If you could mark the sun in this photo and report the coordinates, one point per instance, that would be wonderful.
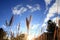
(29, 37)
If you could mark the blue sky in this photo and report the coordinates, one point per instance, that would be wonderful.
(41, 11)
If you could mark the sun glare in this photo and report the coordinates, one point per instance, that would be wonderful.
(29, 37)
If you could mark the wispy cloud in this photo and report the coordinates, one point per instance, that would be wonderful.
(19, 9)
(58, 6)
(35, 26)
(30, 7)
(48, 2)
(3, 26)
(52, 10)
(56, 19)
(37, 7)
(33, 8)
(43, 25)
(51, 13)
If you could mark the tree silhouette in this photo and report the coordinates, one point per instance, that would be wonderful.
(2, 34)
(51, 26)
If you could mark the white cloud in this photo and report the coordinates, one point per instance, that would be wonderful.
(30, 7)
(3, 26)
(55, 19)
(59, 10)
(21, 9)
(33, 9)
(43, 25)
(58, 6)
(35, 26)
(51, 12)
(43, 28)
(46, 19)
(46, 10)
(48, 2)
(17, 10)
(37, 7)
